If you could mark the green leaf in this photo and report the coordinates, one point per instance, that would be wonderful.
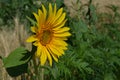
(32, 21)
(18, 57)
(17, 70)
(93, 13)
(80, 26)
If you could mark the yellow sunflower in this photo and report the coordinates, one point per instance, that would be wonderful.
(49, 34)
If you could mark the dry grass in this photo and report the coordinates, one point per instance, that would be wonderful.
(101, 6)
(9, 40)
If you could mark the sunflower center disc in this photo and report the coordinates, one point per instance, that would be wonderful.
(45, 37)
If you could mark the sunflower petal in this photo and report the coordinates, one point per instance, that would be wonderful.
(43, 57)
(55, 9)
(54, 57)
(59, 26)
(62, 30)
(58, 49)
(39, 12)
(59, 42)
(41, 17)
(65, 34)
(36, 16)
(60, 20)
(59, 13)
(31, 39)
(33, 29)
(50, 10)
(35, 43)
(49, 56)
(54, 51)
(44, 12)
(39, 50)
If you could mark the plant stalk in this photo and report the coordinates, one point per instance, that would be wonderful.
(42, 74)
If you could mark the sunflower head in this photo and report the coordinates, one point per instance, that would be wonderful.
(49, 34)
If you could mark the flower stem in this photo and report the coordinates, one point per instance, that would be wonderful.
(42, 74)
(35, 66)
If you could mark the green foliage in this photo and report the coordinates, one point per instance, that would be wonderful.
(18, 57)
(17, 70)
(10, 8)
(17, 61)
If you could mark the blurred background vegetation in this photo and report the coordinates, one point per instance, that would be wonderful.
(94, 47)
